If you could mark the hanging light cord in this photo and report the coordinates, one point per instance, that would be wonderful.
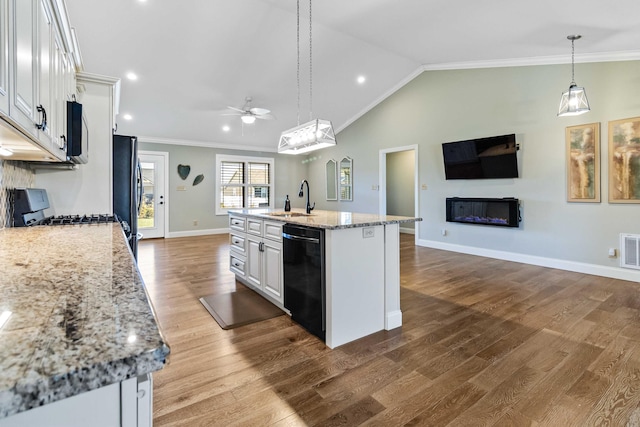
(573, 79)
(310, 68)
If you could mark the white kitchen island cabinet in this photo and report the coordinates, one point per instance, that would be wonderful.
(362, 267)
(256, 255)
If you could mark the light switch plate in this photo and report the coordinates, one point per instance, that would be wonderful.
(368, 232)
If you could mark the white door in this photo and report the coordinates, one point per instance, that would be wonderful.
(153, 206)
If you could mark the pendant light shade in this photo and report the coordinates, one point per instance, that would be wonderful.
(310, 136)
(573, 101)
(315, 134)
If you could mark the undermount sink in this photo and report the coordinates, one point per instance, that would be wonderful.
(286, 214)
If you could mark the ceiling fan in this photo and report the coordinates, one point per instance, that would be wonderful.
(249, 114)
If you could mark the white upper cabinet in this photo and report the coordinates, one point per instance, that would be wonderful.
(37, 74)
(25, 66)
(4, 57)
(45, 73)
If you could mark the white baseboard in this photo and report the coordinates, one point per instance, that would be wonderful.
(578, 267)
(192, 233)
(408, 230)
(393, 320)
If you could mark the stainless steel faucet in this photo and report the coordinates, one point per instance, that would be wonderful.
(301, 194)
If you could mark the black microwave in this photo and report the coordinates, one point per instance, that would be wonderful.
(77, 134)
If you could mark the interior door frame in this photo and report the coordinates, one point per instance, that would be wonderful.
(383, 182)
(165, 161)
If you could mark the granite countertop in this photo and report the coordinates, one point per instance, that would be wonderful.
(330, 220)
(80, 314)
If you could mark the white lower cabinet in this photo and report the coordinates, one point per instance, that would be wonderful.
(256, 255)
(272, 269)
(124, 404)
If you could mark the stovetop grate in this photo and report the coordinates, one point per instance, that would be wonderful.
(79, 219)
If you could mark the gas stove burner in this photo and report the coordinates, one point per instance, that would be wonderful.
(80, 219)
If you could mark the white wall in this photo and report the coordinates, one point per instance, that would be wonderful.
(86, 190)
(442, 106)
(198, 202)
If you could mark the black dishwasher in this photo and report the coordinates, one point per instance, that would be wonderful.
(304, 276)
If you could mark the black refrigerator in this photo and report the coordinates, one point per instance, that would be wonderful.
(127, 186)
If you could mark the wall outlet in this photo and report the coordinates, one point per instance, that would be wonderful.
(375, 187)
(195, 222)
(368, 232)
(424, 186)
(613, 253)
(444, 231)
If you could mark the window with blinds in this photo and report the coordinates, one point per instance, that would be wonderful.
(244, 182)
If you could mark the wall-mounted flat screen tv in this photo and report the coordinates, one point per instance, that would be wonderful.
(482, 158)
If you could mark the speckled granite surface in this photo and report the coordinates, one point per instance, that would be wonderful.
(81, 318)
(330, 220)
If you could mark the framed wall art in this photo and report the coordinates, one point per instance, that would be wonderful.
(624, 161)
(583, 163)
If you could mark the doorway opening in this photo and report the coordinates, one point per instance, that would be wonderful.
(398, 176)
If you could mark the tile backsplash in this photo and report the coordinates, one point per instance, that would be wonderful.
(12, 175)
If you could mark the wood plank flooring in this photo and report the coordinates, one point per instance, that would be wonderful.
(484, 342)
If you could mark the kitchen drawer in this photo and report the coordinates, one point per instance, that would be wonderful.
(237, 223)
(254, 226)
(273, 230)
(236, 265)
(237, 243)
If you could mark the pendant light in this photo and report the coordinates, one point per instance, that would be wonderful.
(574, 101)
(314, 134)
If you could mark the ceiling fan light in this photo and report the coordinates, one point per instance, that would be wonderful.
(248, 119)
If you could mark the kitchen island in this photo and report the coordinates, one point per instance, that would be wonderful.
(78, 327)
(362, 266)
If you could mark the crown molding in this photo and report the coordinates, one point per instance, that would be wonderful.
(206, 144)
(538, 60)
(83, 77)
(519, 62)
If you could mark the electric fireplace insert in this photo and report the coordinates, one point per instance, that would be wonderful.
(483, 211)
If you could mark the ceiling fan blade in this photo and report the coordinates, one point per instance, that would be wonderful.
(259, 111)
(266, 117)
(231, 114)
(236, 109)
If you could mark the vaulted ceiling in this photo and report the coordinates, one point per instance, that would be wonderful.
(193, 58)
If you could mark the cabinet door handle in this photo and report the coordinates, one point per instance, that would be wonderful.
(64, 138)
(43, 123)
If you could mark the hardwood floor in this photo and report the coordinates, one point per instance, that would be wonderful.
(484, 342)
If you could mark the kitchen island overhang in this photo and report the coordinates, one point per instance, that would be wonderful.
(362, 253)
(81, 319)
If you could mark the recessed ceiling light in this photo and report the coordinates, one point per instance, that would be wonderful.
(226, 128)
(361, 79)
(127, 117)
(132, 76)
